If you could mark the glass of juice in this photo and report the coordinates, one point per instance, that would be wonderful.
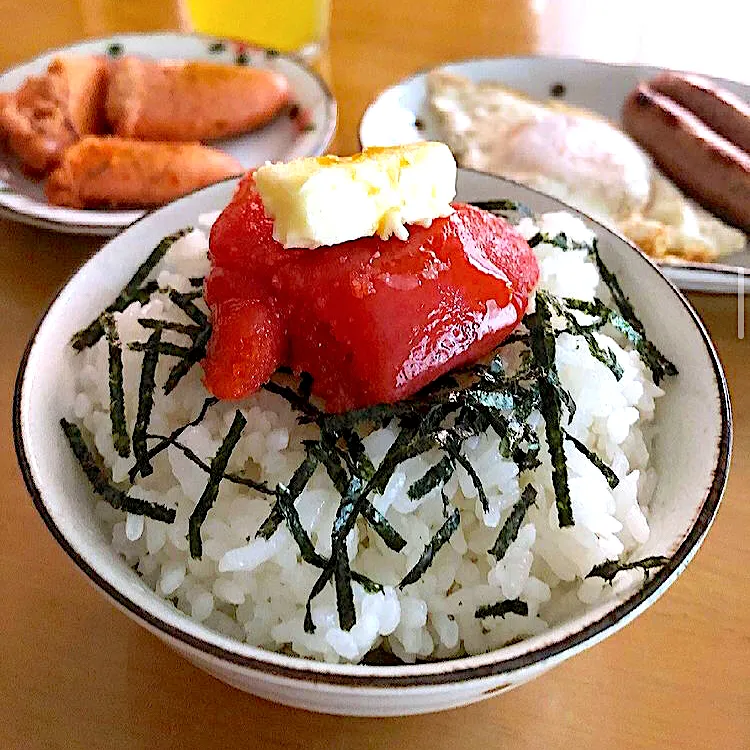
(299, 26)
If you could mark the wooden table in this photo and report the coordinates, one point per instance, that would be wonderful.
(76, 673)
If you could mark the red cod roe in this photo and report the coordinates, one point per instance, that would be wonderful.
(371, 320)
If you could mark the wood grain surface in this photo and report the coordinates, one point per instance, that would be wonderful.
(75, 673)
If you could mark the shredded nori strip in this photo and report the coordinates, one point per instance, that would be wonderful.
(290, 515)
(360, 461)
(211, 491)
(383, 527)
(342, 578)
(169, 325)
(120, 437)
(166, 348)
(561, 241)
(609, 569)
(612, 283)
(508, 209)
(435, 476)
(297, 484)
(318, 586)
(325, 452)
(100, 479)
(507, 606)
(563, 395)
(606, 357)
(509, 532)
(199, 332)
(304, 387)
(269, 527)
(342, 575)
(196, 353)
(517, 338)
(370, 586)
(606, 471)
(295, 399)
(233, 478)
(659, 365)
(146, 403)
(186, 302)
(172, 437)
(475, 480)
(543, 347)
(361, 467)
(95, 330)
(442, 535)
(377, 416)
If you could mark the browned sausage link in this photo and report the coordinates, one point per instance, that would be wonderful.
(720, 109)
(50, 112)
(706, 166)
(191, 101)
(110, 171)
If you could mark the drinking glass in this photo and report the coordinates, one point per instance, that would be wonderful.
(298, 26)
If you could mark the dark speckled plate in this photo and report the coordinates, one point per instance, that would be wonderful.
(400, 114)
(304, 129)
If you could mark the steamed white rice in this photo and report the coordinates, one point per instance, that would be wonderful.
(256, 590)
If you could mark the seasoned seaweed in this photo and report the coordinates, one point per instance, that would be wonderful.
(609, 569)
(509, 532)
(146, 402)
(442, 535)
(511, 210)
(608, 474)
(131, 292)
(120, 437)
(290, 515)
(543, 346)
(172, 438)
(435, 476)
(605, 356)
(505, 607)
(210, 493)
(93, 467)
(659, 365)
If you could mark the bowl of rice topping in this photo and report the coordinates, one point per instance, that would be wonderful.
(413, 548)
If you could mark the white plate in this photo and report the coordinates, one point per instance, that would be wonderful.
(400, 115)
(302, 131)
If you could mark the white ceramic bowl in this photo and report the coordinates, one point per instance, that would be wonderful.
(691, 453)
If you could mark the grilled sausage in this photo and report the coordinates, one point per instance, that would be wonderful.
(49, 113)
(111, 172)
(190, 101)
(724, 112)
(704, 164)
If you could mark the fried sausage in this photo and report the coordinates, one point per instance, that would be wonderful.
(49, 113)
(114, 172)
(704, 164)
(724, 112)
(190, 101)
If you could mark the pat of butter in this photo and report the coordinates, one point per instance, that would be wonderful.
(331, 199)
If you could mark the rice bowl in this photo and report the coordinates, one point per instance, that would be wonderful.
(409, 617)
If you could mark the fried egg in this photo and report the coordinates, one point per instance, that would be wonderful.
(578, 157)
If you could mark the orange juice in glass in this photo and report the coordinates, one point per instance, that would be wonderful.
(299, 26)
